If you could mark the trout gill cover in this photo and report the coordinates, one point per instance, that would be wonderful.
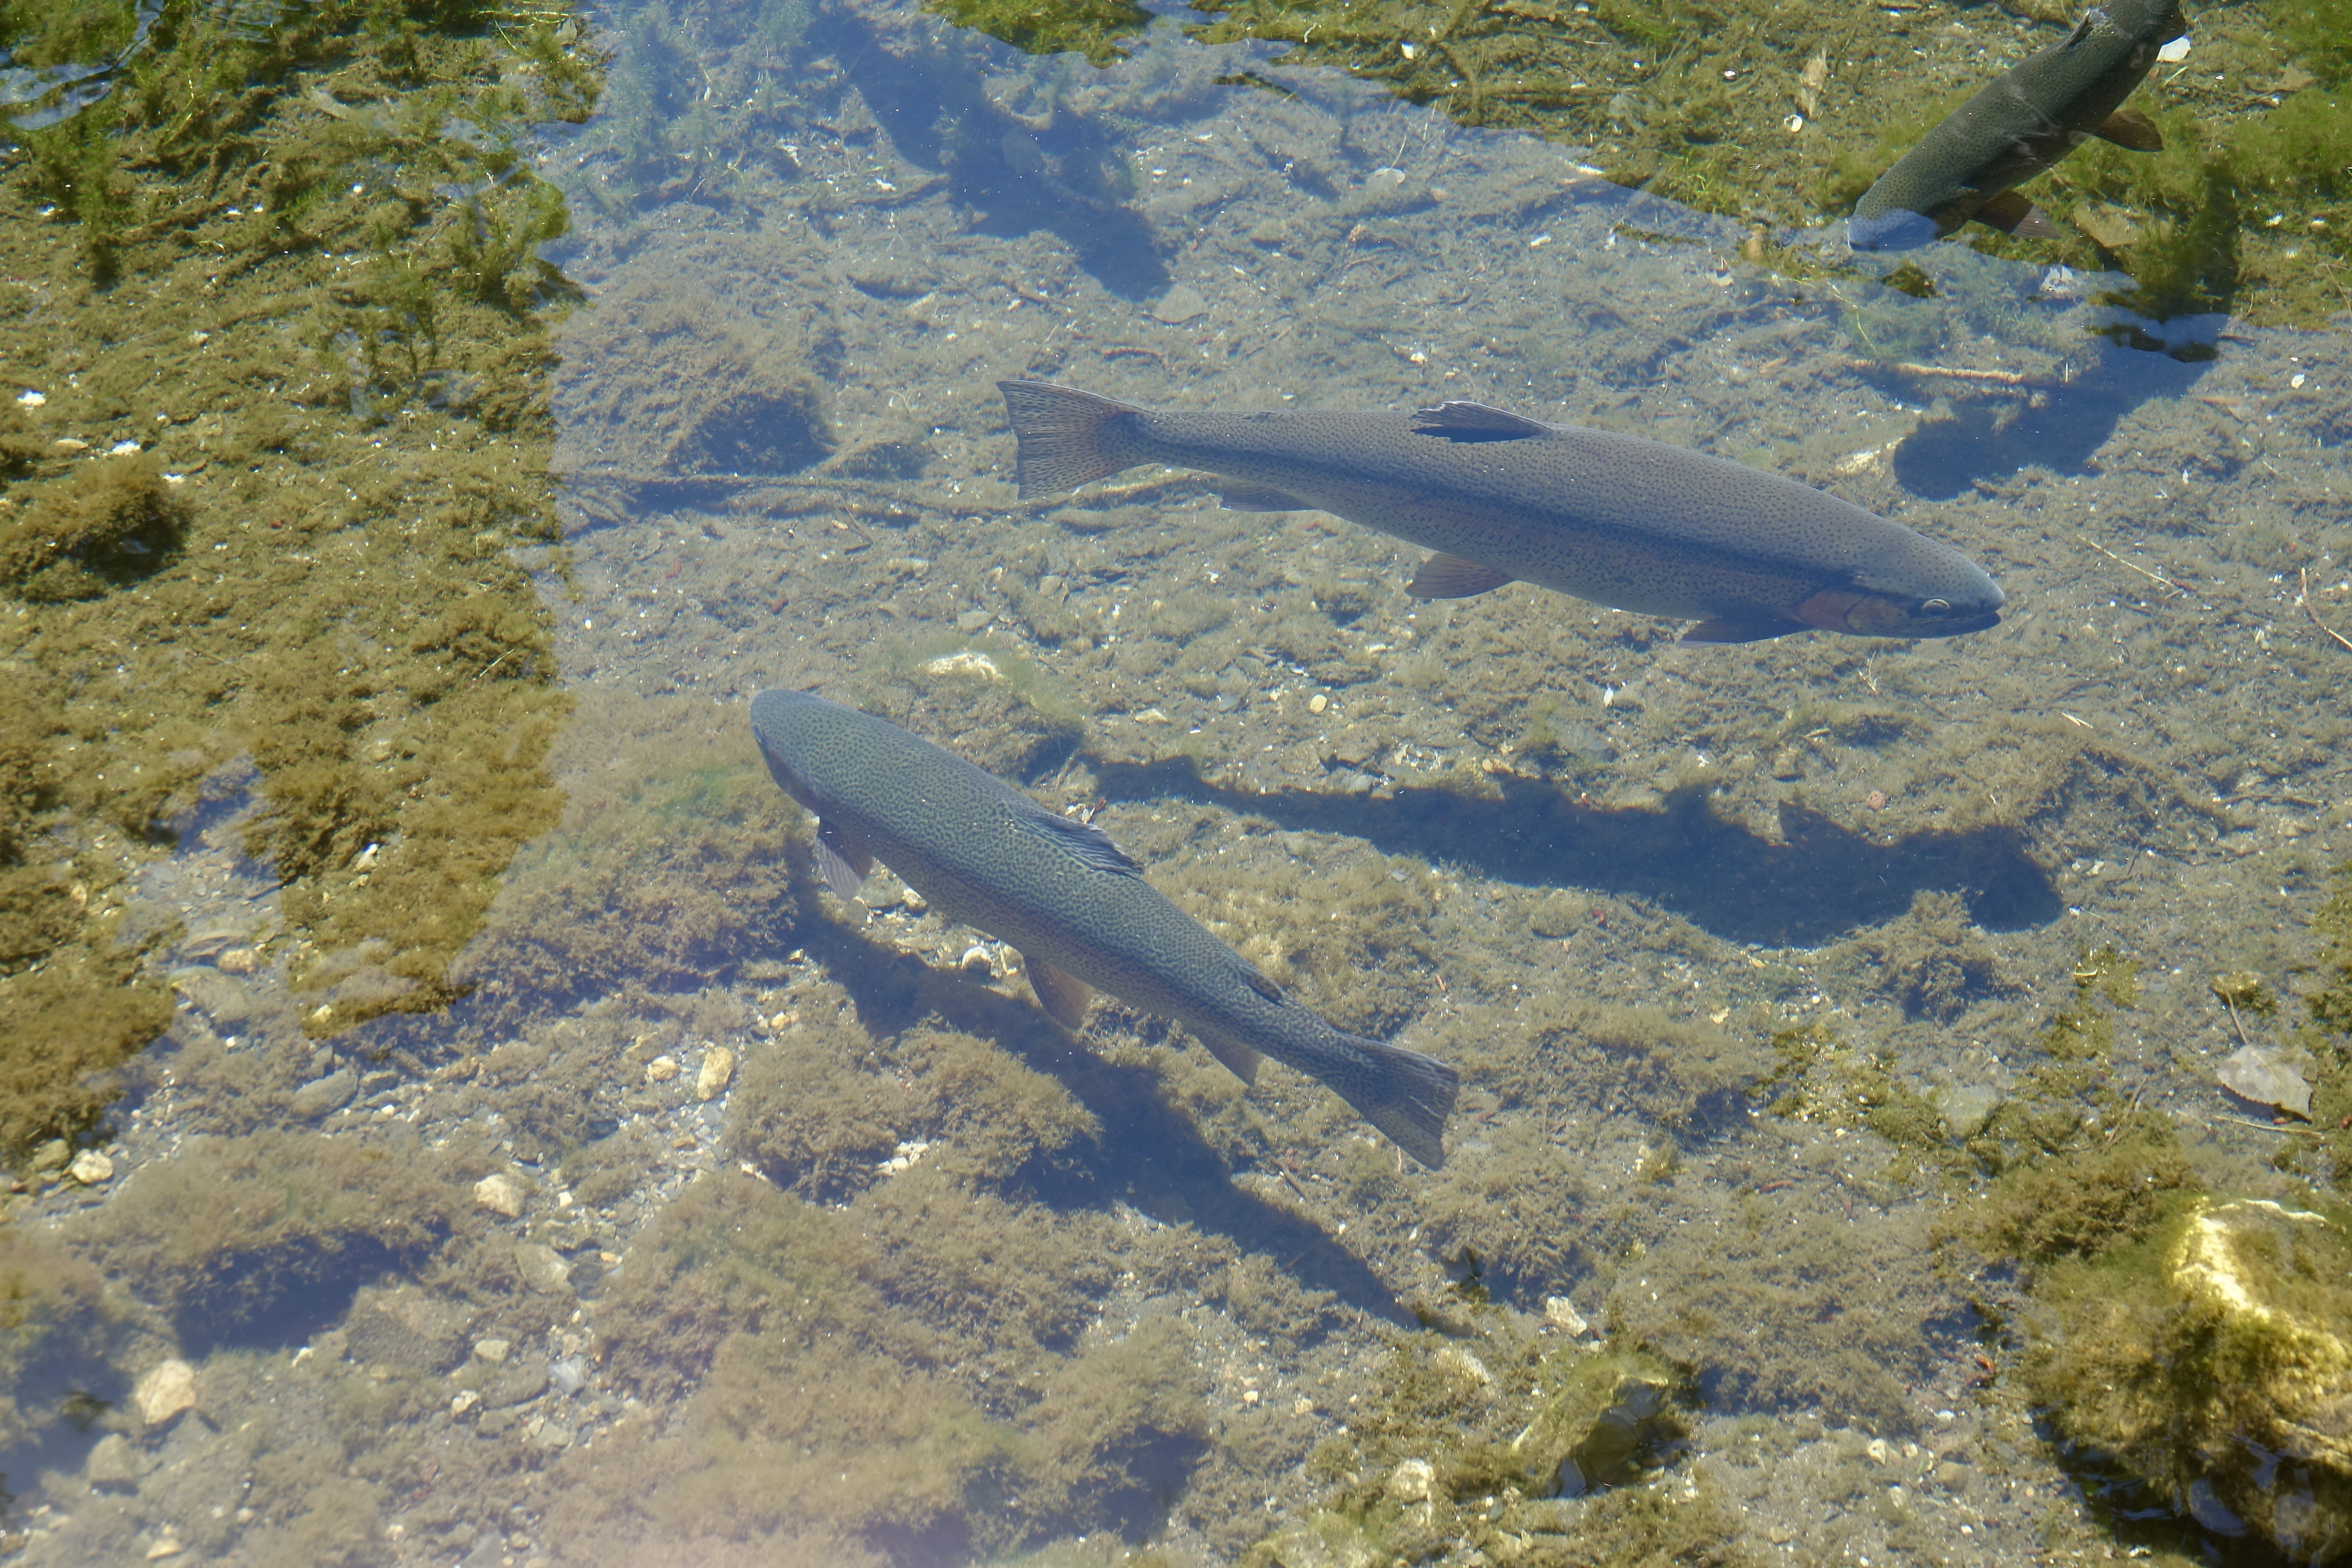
(1614, 519)
(1074, 904)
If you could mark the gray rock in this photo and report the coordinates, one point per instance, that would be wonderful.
(320, 1096)
(518, 1384)
(1560, 914)
(1179, 305)
(114, 1462)
(1967, 1107)
(219, 997)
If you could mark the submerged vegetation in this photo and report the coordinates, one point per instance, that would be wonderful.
(275, 345)
(1782, 118)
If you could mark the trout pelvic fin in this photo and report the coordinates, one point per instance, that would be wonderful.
(1451, 577)
(1060, 432)
(1726, 630)
(842, 860)
(1063, 996)
(1234, 495)
(2132, 130)
(2012, 214)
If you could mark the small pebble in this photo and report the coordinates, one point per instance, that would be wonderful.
(168, 1388)
(661, 1069)
(1560, 1313)
(718, 1069)
(1317, 703)
(464, 1402)
(167, 1547)
(493, 1351)
(239, 961)
(90, 1168)
(501, 1193)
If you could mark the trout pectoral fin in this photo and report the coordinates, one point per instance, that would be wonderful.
(1728, 630)
(1451, 577)
(1239, 1058)
(2130, 128)
(842, 860)
(1259, 497)
(2012, 214)
(1063, 996)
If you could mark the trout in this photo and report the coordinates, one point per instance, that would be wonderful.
(2018, 125)
(1613, 520)
(1072, 902)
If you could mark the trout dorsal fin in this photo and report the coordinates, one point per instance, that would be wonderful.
(1476, 422)
(1081, 841)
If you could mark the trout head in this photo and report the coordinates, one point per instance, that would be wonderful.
(1877, 613)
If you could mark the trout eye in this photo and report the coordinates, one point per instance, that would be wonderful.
(1937, 608)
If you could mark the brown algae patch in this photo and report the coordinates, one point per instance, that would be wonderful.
(275, 339)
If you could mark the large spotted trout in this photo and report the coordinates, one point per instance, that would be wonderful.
(1077, 908)
(1614, 519)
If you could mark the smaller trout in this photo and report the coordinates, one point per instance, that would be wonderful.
(2020, 124)
(1077, 908)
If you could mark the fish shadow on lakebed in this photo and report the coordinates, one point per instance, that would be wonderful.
(1149, 1154)
(2058, 427)
(1817, 882)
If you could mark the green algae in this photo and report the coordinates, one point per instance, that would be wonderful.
(833, 1352)
(1784, 117)
(1465, 1447)
(291, 266)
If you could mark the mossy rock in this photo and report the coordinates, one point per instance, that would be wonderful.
(2215, 1361)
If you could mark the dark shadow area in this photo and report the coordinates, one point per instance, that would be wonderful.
(1150, 1155)
(1820, 882)
(2058, 426)
(286, 1295)
(1069, 179)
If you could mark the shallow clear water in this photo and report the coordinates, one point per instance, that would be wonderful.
(754, 1226)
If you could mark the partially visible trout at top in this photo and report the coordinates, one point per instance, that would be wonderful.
(1078, 908)
(2018, 125)
(1613, 520)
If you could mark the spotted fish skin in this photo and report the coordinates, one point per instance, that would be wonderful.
(2017, 125)
(1614, 519)
(1077, 908)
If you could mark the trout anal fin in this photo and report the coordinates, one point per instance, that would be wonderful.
(1063, 996)
(843, 860)
(1237, 497)
(1726, 629)
(2012, 214)
(1451, 577)
(1476, 422)
(2130, 129)
(1239, 1060)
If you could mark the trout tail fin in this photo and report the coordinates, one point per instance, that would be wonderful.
(1061, 434)
(1410, 1098)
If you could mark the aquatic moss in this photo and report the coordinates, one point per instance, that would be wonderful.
(59, 1330)
(110, 524)
(1095, 28)
(291, 282)
(262, 1240)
